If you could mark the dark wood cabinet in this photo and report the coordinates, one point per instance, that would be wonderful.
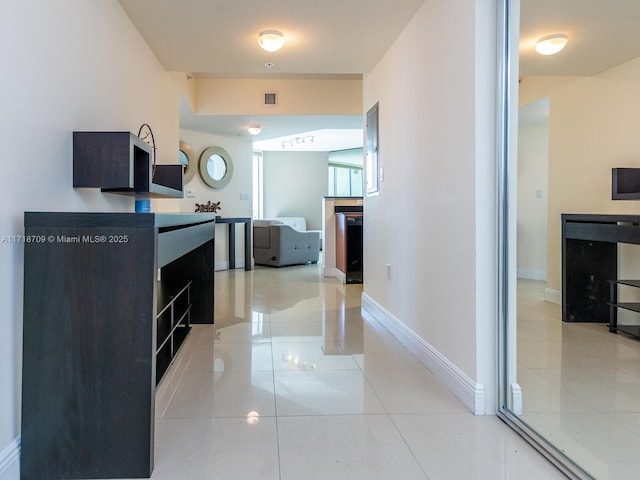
(590, 264)
(120, 162)
(349, 237)
(108, 300)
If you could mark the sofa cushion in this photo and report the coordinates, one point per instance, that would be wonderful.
(281, 245)
(266, 223)
(261, 237)
(299, 223)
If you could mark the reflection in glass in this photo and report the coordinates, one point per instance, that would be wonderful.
(183, 159)
(217, 167)
(573, 383)
(187, 159)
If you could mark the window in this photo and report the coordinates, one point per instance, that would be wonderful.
(346, 173)
(345, 180)
(258, 191)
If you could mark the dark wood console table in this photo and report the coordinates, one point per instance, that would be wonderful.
(108, 300)
(349, 237)
(232, 240)
(590, 265)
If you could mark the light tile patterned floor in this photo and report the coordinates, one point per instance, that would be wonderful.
(290, 383)
(581, 386)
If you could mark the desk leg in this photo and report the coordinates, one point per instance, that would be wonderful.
(232, 246)
(613, 310)
(247, 246)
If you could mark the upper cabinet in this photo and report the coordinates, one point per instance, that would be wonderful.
(121, 162)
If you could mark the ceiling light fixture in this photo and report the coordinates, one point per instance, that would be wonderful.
(551, 44)
(293, 142)
(254, 129)
(271, 40)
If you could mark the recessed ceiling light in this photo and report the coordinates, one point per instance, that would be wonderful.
(551, 44)
(254, 129)
(271, 40)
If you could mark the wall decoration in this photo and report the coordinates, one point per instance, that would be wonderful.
(188, 160)
(216, 167)
(208, 207)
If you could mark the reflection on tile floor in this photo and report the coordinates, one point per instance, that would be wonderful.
(581, 386)
(290, 383)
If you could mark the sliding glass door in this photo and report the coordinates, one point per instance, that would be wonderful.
(572, 387)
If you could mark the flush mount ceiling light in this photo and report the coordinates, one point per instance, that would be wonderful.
(271, 40)
(254, 129)
(551, 44)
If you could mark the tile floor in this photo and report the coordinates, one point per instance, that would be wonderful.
(581, 386)
(291, 383)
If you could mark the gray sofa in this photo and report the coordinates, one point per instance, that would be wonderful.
(277, 244)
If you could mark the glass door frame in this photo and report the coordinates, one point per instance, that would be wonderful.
(507, 142)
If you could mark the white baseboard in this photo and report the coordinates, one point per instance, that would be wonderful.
(528, 274)
(10, 461)
(471, 394)
(516, 399)
(224, 264)
(330, 271)
(553, 296)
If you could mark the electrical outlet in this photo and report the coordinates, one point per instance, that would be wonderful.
(244, 196)
(388, 272)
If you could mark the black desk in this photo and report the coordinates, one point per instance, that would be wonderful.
(590, 262)
(232, 240)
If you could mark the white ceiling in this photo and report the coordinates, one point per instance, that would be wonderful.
(220, 36)
(337, 37)
(601, 34)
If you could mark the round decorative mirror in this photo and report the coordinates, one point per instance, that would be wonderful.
(188, 161)
(216, 167)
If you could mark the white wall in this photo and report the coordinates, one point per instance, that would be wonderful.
(533, 154)
(294, 185)
(433, 222)
(593, 127)
(233, 205)
(66, 65)
(296, 96)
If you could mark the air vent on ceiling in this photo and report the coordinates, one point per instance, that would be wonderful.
(270, 99)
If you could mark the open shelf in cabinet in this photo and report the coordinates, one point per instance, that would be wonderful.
(173, 323)
(614, 305)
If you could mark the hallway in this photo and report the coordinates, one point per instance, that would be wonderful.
(293, 382)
